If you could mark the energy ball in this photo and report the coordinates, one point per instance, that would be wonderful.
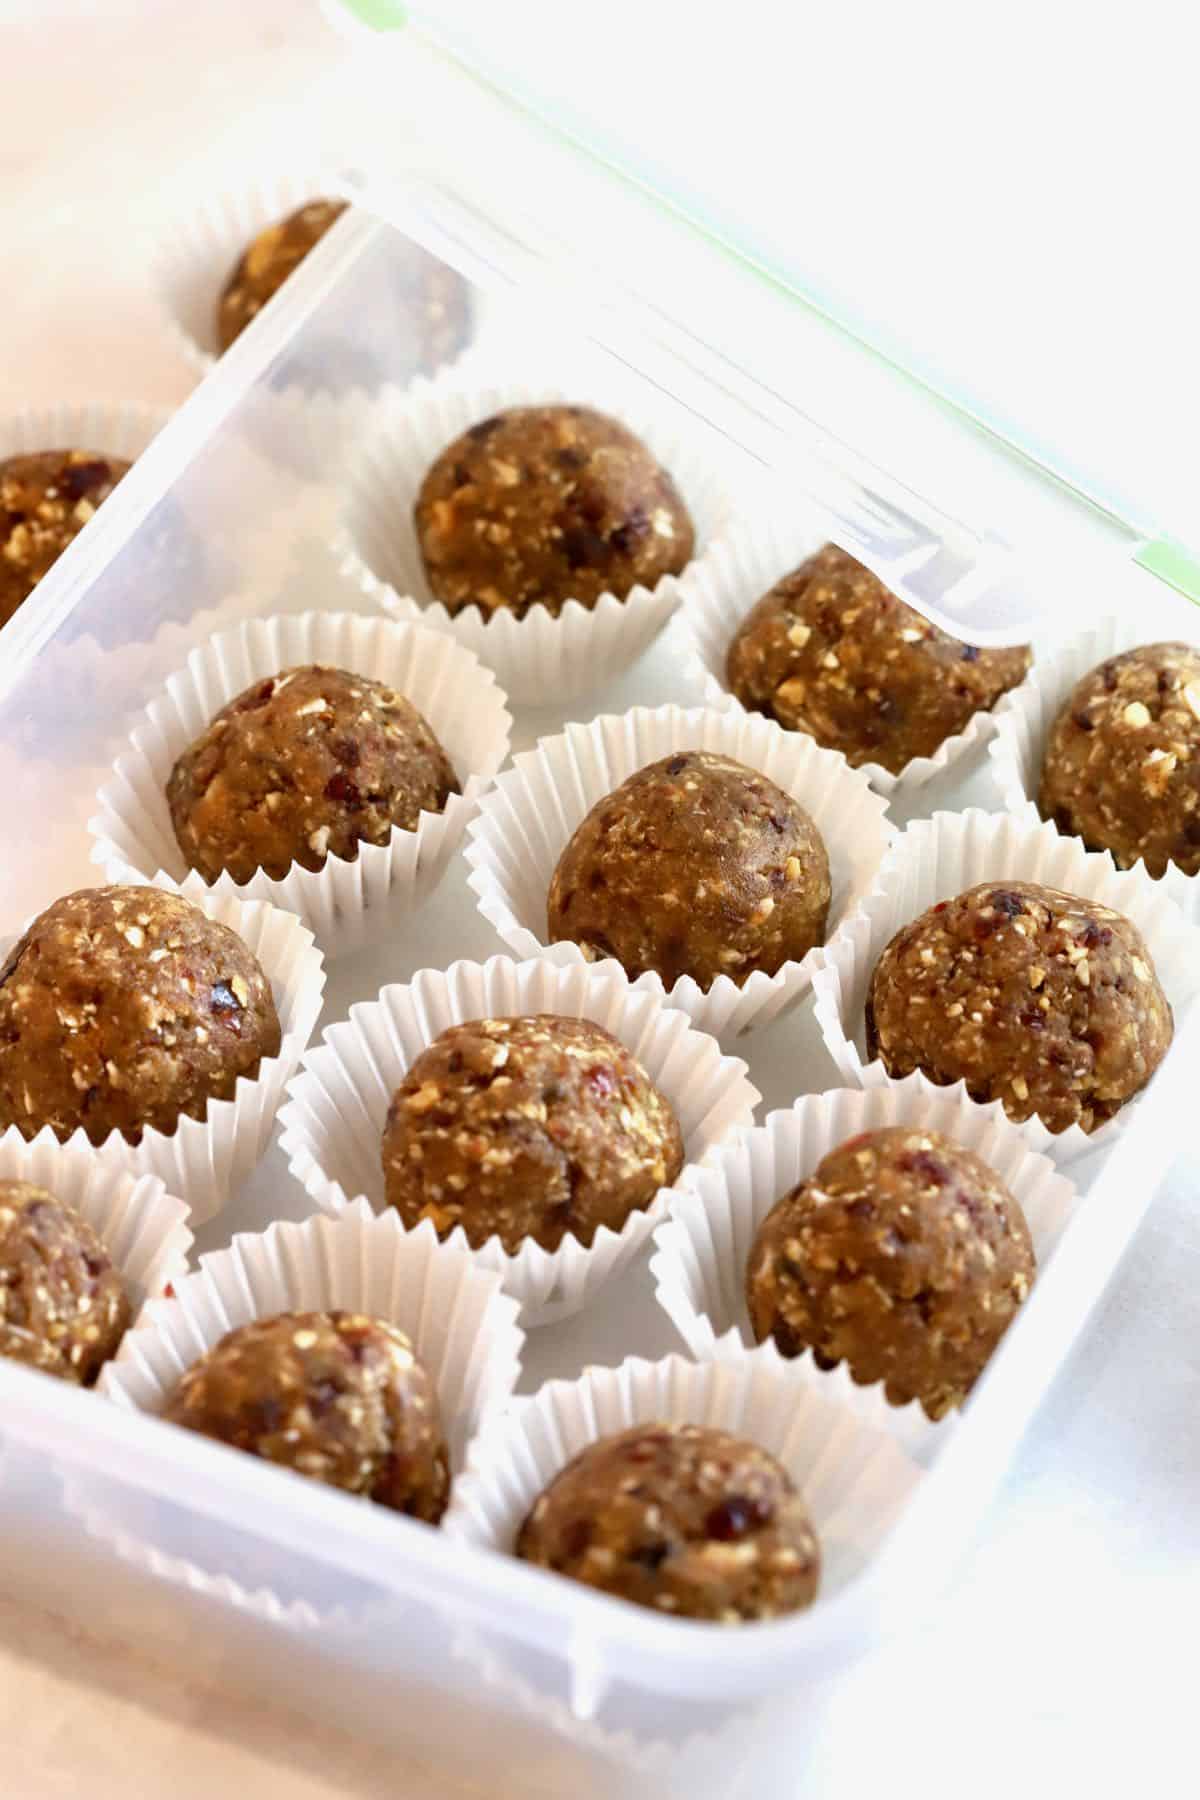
(63, 1306)
(694, 866)
(527, 1128)
(45, 499)
(832, 652)
(305, 765)
(902, 1255)
(1033, 997)
(124, 1008)
(1122, 765)
(336, 1396)
(545, 504)
(682, 1519)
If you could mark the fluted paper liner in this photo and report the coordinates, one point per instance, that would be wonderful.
(937, 858)
(730, 582)
(855, 1478)
(142, 1226)
(203, 1160)
(529, 815)
(347, 902)
(540, 656)
(1024, 718)
(702, 1249)
(462, 1328)
(332, 1125)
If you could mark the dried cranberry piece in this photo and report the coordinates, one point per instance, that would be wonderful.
(1095, 936)
(484, 429)
(345, 792)
(266, 1415)
(734, 1517)
(624, 537)
(970, 653)
(1008, 905)
(570, 458)
(925, 1164)
(322, 1397)
(677, 765)
(583, 547)
(224, 1000)
(257, 696)
(78, 479)
(346, 751)
(1083, 722)
(602, 1081)
(650, 1556)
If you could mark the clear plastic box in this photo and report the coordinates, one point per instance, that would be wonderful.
(469, 1663)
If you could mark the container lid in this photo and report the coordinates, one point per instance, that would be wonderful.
(903, 266)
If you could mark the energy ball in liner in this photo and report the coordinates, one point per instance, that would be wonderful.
(902, 1255)
(683, 1519)
(695, 866)
(336, 1396)
(63, 1306)
(123, 1008)
(527, 1128)
(545, 504)
(307, 764)
(45, 499)
(832, 652)
(1122, 765)
(1037, 998)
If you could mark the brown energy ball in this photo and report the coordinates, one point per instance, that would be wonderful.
(336, 1396)
(63, 1306)
(126, 1007)
(307, 764)
(1039, 999)
(545, 504)
(683, 1519)
(45, 499)
(1122, 765)
(527, 1128)
(832, 652)
(695, 866)
(902, 1255)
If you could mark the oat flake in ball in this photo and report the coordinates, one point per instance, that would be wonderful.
(123, 1008)
(533, 1127)
(902, 1255)
(1045, 1001)
(683, 1519)
(545, 504)
(63, 1305)
(695, 866)
(336, 1396)
(304, 765)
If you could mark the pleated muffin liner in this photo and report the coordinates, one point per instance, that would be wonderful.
(936, 859)
(332, 1125)
(1024, 719)
(529, 815)
(144, 1228)
(463, 1329)
(540, 655)
(702, 1250)
(347, 902)
(203, 1160)
(758, 553)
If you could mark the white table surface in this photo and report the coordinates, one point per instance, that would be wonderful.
(1063, 1652)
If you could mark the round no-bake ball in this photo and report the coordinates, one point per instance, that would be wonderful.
(527, 1128)
(1037, 998)
(336, 1396)
(832, 652)
(1122, 764)
(680, 1518)
(695, 866)
(126, 1007)
(63, 1306)
(545, 504)
(903, 1256)
(304, 765)
(45, 499)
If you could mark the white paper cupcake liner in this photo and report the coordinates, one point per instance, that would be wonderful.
(937, 858)
(346, 903)
(142, 1226)
(855, 1478)
(527, 818)
(740, 571)
(702, 1249)
(1024, 718)
(332, 1125)
(203, 1160)
(112, 428)
(462, 1328)
(539, 656)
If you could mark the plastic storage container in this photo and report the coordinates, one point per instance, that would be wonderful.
(471, 1663)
